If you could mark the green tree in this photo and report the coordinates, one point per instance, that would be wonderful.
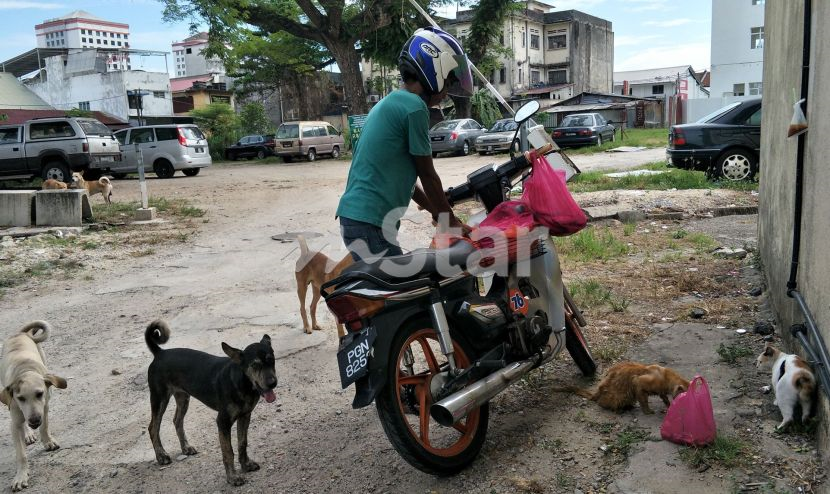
(252, 119)
(221, 125)
(485, 108)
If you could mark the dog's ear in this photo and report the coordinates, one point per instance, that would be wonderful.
(6, 396)
(768, 350)
(56, 381)
(266, 340)
(233, 353)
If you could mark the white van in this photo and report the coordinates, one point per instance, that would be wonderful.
(164, 148)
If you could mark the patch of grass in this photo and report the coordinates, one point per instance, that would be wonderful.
(609, 351)
(551, 444)
(671, 257)
(118, 212)
(176, 207)
(650, 138)
(678, 234)
(701, 241)
(589, 293)
(619, 304)
(39, 268)
(591, 244)
(565, 481)
(627, 438)
(89, 245)
(726, 451)
(629, 228)
(670, 179)
(142, 252)
(731, 353)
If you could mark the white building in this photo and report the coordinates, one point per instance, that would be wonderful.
(189, 60)
(80, 80)
(659, 83)
(737, 47)
(80, 29)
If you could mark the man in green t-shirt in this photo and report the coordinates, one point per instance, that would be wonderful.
(394, 152)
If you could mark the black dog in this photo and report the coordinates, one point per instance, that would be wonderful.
(231, 386)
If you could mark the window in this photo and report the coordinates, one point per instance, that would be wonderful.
(534, 41)
(557, 76)
(524, 39)
(83, 105)
(10, 135)
(501, 38)
(83, 31)
(105, 42)
(657, 89)
(755, 88)
(118, 35)
(557, 41)
(308, 131)
(756, 38)
(758, 2)
(140, 136)
(754, 119)
(167, 134)
(97, 41)
(492, 76)
(159, 94)
(502, 75)
(119, 43)
(738, 89)
(48, 130)
(188, 51)
(333, 131)
(521, 76)
(534, 77)
(83, 40)
(125, 36)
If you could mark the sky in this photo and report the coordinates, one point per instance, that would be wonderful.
(647, 33)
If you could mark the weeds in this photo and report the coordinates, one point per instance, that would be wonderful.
(725, 451)
(122, 211)
(629, 228)
(701, 241)
(650, 138)
(610, 352)
(669, 179)
(589, 244)
(565, 481)
(731, 353)
(619, 304)
(678, 234)
(142, 253)
(589, 293)
(627, 438)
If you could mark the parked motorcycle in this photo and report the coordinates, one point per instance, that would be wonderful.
(431, 348)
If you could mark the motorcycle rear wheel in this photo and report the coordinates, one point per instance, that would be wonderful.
(403, 405)
(577, 346)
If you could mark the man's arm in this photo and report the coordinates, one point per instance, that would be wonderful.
(432, 197)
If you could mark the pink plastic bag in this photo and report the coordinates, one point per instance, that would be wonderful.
(508, 216)
(690, 419)
(550, 200)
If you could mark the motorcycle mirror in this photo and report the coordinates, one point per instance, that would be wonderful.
(526, 111)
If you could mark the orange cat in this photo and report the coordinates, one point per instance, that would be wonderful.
(628, 382)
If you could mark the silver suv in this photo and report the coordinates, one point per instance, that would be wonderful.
(164, 149)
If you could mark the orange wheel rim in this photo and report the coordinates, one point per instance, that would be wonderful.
(454, 440)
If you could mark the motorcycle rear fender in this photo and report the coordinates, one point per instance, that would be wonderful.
(387, 325)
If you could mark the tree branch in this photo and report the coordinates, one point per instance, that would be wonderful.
(271, 22)
(314, 15)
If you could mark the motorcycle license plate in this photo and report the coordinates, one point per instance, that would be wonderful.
(353, 356)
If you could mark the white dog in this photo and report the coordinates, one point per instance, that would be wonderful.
(792, 380)
(26, 392)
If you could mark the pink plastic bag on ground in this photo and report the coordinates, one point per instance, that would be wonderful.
(690, 419)
(550, 200)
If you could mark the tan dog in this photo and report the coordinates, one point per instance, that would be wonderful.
(26, 393)
(628, 382)
(101, 186)
(315, 268)
(53, 184)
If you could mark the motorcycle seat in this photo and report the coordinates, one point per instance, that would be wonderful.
(418, 264)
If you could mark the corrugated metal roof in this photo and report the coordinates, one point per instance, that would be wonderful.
(664, 74)
(570, 108)
(16, 117)
(14, 95)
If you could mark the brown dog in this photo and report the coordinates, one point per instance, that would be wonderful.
(53, 184)
(628, 382)
(101, 186)
(315, 268)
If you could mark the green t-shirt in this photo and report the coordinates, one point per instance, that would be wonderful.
(382, 176)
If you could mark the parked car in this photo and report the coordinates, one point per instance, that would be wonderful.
(56, 147)
(725, 144)
(498, 137)
(164, 149)
(308, 139)
(254, 146)
(581, 129)
(458, 136)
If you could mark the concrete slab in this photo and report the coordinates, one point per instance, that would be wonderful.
(145, 214)
(62, 207)
(17, 207)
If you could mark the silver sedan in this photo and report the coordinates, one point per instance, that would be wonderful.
(457, 136)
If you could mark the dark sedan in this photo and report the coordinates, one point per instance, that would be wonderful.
(724, 144)
(583, 129)
(254, 146)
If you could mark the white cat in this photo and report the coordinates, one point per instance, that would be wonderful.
(792, 380)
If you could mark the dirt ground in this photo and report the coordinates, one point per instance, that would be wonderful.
(224, 279)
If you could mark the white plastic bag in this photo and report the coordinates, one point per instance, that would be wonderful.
(798, 125)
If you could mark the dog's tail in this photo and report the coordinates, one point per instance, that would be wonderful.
(805, 383)
(303, 246)
(38, 331)
(157, 333)
(104, 181)
(583, 392)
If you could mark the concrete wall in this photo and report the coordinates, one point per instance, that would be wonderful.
(778, 154)
(733, 59)
(105, 91)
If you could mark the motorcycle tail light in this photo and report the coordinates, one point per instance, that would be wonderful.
(349, 309)
(454, 136)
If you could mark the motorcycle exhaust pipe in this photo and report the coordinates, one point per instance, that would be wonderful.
(457, 405)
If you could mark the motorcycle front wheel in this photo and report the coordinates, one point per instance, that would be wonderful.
(577, 345)
(415, 359)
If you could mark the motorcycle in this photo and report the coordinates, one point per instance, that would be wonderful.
(431, 348)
